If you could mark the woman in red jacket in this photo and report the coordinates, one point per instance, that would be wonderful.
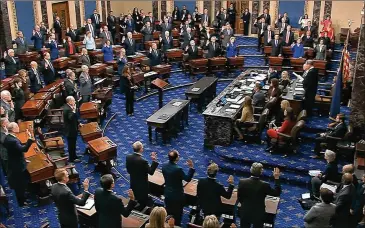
(286, 127)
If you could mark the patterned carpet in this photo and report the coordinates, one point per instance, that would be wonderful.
(235, 159)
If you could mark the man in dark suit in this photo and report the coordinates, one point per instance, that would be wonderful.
(21, 43)
(130, 44)
(213, 48)
(138, 169)
(147, 32)
(58, 29)
(281, 25)
(311, 28)
(112, 22)
(205, 18)
(266, 16)
(258, 97)
(18, 175)
(130, 25)
(65, 200)
(70, 85)
(71, 125)
(277, 47)
(8, 105)
(166, 26)
(89, 27)
(37, 38)
(251, 194)
(166, 41)
(106, 35)
(110, 207)
(345, 194)
(34, 77)
(268, 36)
(96, 19)
(188, 36)
(326, 40)
(150, 19)
(174, 191)
(3, 133)
(209, 192)
(184, 13)
(308, 40)
(11, 64)
(192, 50)
(261, 28)
(246, 16)
(287, 36)
(47, 69)
(72, 32)
(232, 15)
(223, 18)
(310, 84)
(154, 55)
(338, 129)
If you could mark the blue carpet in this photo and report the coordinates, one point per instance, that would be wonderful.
(235, 159)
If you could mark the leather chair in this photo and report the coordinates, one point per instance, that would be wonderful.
(302, 115)
(260, 125)
(342, 146)
(4, 199)
(52, 144)
(62, 163)
(54, 119)
(289, 142)
(323, 101)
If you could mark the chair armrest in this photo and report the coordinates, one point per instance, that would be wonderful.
(55, 116)
(284, 135)
(250, 122)
(333, 138)
(60, 159)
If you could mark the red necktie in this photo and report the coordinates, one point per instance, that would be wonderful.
(287, 37)
(71, 48)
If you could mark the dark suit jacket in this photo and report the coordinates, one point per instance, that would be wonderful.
(8, 110)
(109, 208)
(49, 75)
(308, 42)
(130, 25)
(203, 18)
(209, 193)
(246, 17)
(267, 18)
(67, 48)
(38, 41)
(11, 67)
(72, 34)
(330, 173)
(70, 121)
(57, 27)
(112, 21)
(155, 59)
(343, 201)
(138, 169)
(93, 20)
(65, 202)
(130, 48)
(313, 30)
(338, 131)
(260, 26)
(211, 51)
(21, 47)
(104, 37)
(310, 84)
(187, 39)
(167, 44)
(174, 175)
(276, 49)
(147, 33)
(291, 38)
(193, 54)
(326, 41)
(165, 28)
(16, 161)
(87, 28)
(251, 194)
(266, 37)
(84, 60)
(70, 89)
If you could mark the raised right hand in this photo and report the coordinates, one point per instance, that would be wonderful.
(131, 194)
(86, 184)
(276, 173)
(190, 163)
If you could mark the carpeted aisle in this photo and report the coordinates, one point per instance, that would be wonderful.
(235, 159)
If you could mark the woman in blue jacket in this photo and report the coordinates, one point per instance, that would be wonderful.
(53, 47)
(107, 51)
(298, 49)
(231, 48)
(121, 61)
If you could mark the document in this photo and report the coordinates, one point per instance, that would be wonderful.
(88, 205)
(314, 173)
(234, 106)
(177, 104)
(196, 89)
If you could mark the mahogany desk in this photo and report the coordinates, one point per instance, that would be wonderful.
(54, 87)
(40, 168)
(156, 183)
(202, 90)
(97, 69)
(24, 125)
(169, 118)
(33, 108)
(61, 63)
(28, 57)
(6, 83)
(90, 131)
(89, 218)
(103, 150)
(89, 110)
(105, 94)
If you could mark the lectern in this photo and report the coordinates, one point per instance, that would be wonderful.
(160, 85)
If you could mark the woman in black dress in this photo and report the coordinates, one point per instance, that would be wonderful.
(246, 16)
(137, 19)
(19, 98)
(129, 88)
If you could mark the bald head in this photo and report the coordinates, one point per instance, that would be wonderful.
(13, 127)
(347, 178)
(348, 169)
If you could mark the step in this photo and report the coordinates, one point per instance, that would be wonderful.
(254, 61)
(249, 50)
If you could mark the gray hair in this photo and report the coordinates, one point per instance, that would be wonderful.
(84, 67)
(256, 169)
(11, 50)
(137, 146)
(69, 98)
(309, 62)
(212, 169)
(211, 221)
(11, 126)
(330, 155)
(5, 93)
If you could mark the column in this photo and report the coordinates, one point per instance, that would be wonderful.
(254, 15)
(5, 33)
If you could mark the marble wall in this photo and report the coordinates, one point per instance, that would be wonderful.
(254, 15)
(5, 31)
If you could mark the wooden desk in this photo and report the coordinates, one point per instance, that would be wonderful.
(40, 168)
(6, 83)
(174, 55)
(360, 156)
(24, 125)
(61, 63)
(206, 91)
(46, 96)
(105, 94)
(162, 69)
(97, 70)
(33, 108)
(137, 58)
(156, 183)
(33, 150)
(89, 110)
(103, 149)
(28, 57)
(54, 87)
(90, 131)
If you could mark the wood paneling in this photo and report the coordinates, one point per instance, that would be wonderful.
(61, 9)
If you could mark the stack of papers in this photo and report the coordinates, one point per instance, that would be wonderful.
(196, 89)
(240, 101)
(177, 104)
(88, 205)
(234, 106)
(332, 188)
(314, 173)
(299, 89)
(230, 110)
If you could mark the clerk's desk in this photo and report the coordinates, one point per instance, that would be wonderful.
(88, 218)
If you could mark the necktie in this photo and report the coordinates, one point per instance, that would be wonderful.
(37, 76)
(287, 37)
(50, 65)
(22, 40)
(13, 60)
(276, 43)
(269, 37)
(213, 46)
(155, 52)
(130, 41)
(107, 35)
(39, 34)
(71, 48)
(228, 32)
(96, 19)
(206, 18)
(91, 29)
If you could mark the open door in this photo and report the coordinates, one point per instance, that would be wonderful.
(240, 8)
(61, 9)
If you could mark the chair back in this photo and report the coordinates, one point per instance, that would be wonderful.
(271, 104)
(349, 132)
(192, 225)
(302, 115)
(263, 119)
(296, 130)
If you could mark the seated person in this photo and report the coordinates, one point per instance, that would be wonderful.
(274, 90)
(329, 174)
(336, 129)
(285, 128)
(298, 49)
(326, 40)
(320, 215)
(320, 50)
(258, 97)
(360, 201)
(247, 116)
(158, 219)
(280, 117)
(284, 80)
(272, 73)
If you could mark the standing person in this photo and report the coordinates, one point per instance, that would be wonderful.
(3, 133)
(154, 55)
(89, 41)
(70, 48)
(70, 85)
(89, 27)
(130, 44)
(310, 84)
(174, 191)
(108, 51)
(85, 84)
(251, 194)
(266, 16)
(19, 99)
(65, 200)
(246, 16)
(209, 192)
(112, 22)
(231, 50)
(109, 206)
(53, 47)
(121, 61)
(34, 77)
(138, 169)
(106, 35)
(129, 88)
(261, 28)
(232, 16)
(47, 69)
(21, 43)
(84, 58)
(72, 33)
(7, 105)
(96, 20)
(58, 28)
(71, 127)
(11, 64)
(37, 38)
(18, 175)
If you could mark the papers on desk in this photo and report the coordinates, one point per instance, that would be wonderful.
(332, 188)
(234, 100)
(314, 173)
(245, 87)
(299, 89)
(196, 89)
(88, 205)
(266, 87)
(240, 101)
(271, 204)
(260, 77)
(251, 80)
(177, 104)
(230, 110)
(236, 90)
(234, 106)
(150, 74)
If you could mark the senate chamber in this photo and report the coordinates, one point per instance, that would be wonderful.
(188, 113)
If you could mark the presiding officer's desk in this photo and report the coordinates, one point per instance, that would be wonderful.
(169, 118)
(221, 113)
(88, 218)
(201, 90)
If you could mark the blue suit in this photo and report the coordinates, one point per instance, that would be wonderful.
(298, 51)
(108, 53)
(38, 41)
(231, 50)
(121, 63)
(53, 49)
(130, 26)
(174, 189)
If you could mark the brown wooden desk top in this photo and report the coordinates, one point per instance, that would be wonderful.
(360, 146)
(88, 106)
(23, 126)
(38, 162)
(101, 144)
(89, 128)
(22, 136)
(157, 178)
(33, 150)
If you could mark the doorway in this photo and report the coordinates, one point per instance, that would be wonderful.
(240, 6)
(61, 9)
